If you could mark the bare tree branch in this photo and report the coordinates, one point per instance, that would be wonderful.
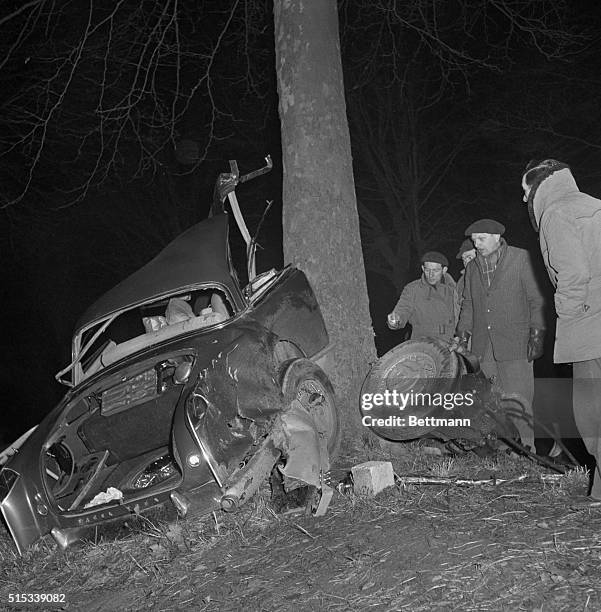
(21, 9)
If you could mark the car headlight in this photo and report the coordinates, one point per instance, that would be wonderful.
(8, 478)
(196, 409)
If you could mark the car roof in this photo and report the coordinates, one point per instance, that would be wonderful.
(199, 255)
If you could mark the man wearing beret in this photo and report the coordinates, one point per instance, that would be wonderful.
(467, 252)
(430, 303)
(569, 226)
(502, 311)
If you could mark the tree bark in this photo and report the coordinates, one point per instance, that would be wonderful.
(320, 220)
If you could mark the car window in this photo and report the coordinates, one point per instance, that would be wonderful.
(152, 323)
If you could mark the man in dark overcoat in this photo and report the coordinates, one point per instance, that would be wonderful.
(502, 311)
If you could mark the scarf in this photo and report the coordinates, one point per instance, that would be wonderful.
(488, 264)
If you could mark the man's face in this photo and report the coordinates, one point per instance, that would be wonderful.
(433, 272)
(467, 256)
(486, 243)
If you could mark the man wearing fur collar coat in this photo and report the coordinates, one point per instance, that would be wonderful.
(569, 226)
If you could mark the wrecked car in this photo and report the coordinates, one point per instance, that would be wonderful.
(185, 389)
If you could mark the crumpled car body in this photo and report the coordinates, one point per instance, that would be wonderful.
(185, 389)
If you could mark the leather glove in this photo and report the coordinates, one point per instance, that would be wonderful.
(459, 343)
(394, 322)
(535, 344)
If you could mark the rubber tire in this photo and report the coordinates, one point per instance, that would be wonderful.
(296, 372)
(391, 370)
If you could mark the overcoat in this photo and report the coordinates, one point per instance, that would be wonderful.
(570, 242)
(432, 311)
(506, 310)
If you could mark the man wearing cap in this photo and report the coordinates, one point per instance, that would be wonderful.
(430, 303)
(569, 226)
(467, 252)
(502, 311)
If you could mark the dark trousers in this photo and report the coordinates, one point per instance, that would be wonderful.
(514, 377)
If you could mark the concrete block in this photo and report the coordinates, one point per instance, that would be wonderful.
(371, 477)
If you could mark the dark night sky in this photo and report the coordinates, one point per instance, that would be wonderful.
(57, 259)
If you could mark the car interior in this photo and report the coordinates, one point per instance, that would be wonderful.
(152, 323)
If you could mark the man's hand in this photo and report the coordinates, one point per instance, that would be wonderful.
(459, 343)
(535, 344)
(394, 322)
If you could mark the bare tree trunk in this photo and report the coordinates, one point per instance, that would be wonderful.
(320, 220)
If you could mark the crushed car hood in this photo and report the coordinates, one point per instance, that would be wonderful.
(197, 256)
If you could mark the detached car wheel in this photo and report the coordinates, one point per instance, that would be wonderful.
(417, 359)
(419, 366)
(306, 382)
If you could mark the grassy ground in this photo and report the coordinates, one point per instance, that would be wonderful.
(528, 543)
